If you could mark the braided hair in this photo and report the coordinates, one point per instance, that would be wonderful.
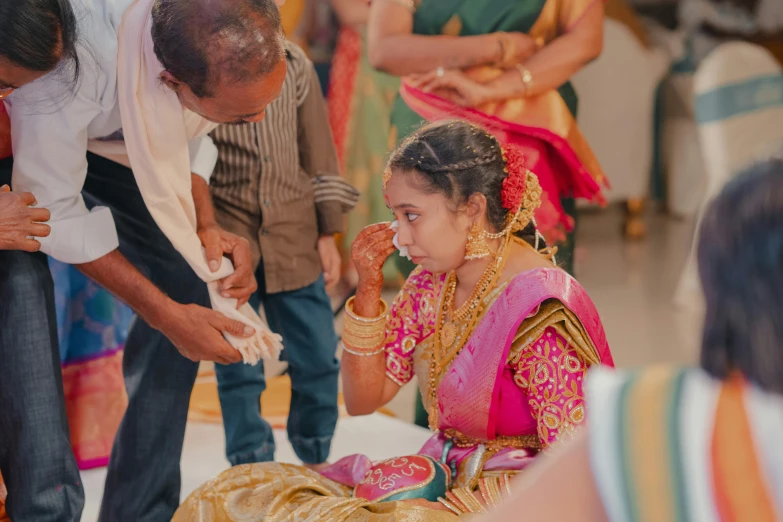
(458, 159)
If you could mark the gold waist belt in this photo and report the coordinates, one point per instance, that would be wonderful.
(531, 442)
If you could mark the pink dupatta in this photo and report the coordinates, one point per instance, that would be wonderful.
(468, 393)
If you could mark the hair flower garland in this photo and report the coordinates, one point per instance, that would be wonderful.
(514, 185)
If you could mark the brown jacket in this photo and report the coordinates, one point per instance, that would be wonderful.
(277, 182)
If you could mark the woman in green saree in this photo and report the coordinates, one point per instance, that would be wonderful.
(504, 64)
(360, 100)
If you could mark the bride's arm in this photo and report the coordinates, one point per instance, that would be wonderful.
(365, 386)
(393, 48)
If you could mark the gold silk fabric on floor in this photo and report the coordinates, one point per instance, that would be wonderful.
(275, 492)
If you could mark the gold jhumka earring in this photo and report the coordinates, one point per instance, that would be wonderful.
(477, 247)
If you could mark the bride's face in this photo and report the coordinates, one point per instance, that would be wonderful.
(429, 226)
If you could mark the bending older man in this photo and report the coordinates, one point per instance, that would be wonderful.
(220, 62)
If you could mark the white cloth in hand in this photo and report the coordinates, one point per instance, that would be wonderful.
(396, 240)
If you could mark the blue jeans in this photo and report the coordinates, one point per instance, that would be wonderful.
(35, 450)
(304, 318)
(143, 479)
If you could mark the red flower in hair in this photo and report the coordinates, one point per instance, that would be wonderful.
(514, 184)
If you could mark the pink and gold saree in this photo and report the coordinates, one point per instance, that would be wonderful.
(513, 389)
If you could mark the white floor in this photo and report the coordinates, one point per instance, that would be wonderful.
(632, 285)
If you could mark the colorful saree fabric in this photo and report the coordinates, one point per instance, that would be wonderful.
(92, 327)
(544, 125)
(512, 388)
(675, 445)
(360, 100)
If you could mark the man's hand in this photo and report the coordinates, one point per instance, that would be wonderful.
(19, 220)
(242, 283)
(197, 333)
(330, 260)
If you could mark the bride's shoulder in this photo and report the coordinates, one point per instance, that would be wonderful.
(422, 278)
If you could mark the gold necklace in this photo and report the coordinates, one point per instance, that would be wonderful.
(446, 331)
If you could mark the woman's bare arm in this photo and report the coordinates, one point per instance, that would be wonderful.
(352, 12)
(558, 61)
(366, 388)
(365, 385)
(394, 49)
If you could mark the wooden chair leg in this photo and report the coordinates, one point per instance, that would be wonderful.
(634, 226)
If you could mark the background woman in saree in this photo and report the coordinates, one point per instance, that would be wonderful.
(699, 444)
(360, 100)
(412, 37)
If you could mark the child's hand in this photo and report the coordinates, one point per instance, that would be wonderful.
(330, 260)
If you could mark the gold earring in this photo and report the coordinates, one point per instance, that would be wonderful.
(477, 247)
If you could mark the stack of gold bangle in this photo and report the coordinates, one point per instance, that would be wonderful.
(364, 336)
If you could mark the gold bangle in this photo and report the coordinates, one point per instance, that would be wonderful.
(363, 333)
(371, 340)
(363, 336)
(362, 353)
(358, 318)
(527, 79)
(359, 344)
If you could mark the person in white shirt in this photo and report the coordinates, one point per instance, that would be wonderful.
(225, 62)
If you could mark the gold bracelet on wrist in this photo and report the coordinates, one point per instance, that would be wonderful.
(364, 334)
(527, 79)
(364, 344)
(362, 353)
(370, 339)
(349, 312)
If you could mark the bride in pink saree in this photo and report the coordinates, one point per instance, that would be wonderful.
(499, 338)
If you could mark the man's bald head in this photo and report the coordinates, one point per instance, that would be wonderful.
(208, 43)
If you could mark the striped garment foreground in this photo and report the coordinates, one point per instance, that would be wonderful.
(675, 445)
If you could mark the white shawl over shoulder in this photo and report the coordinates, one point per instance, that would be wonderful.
(157, 130)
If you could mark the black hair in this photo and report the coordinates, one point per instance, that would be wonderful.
(740, 253)
(458, 159)
(202, 42)
(39, 35)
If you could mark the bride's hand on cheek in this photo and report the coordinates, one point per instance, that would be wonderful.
(369, 252)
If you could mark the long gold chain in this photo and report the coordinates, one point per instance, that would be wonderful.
(440, 345)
